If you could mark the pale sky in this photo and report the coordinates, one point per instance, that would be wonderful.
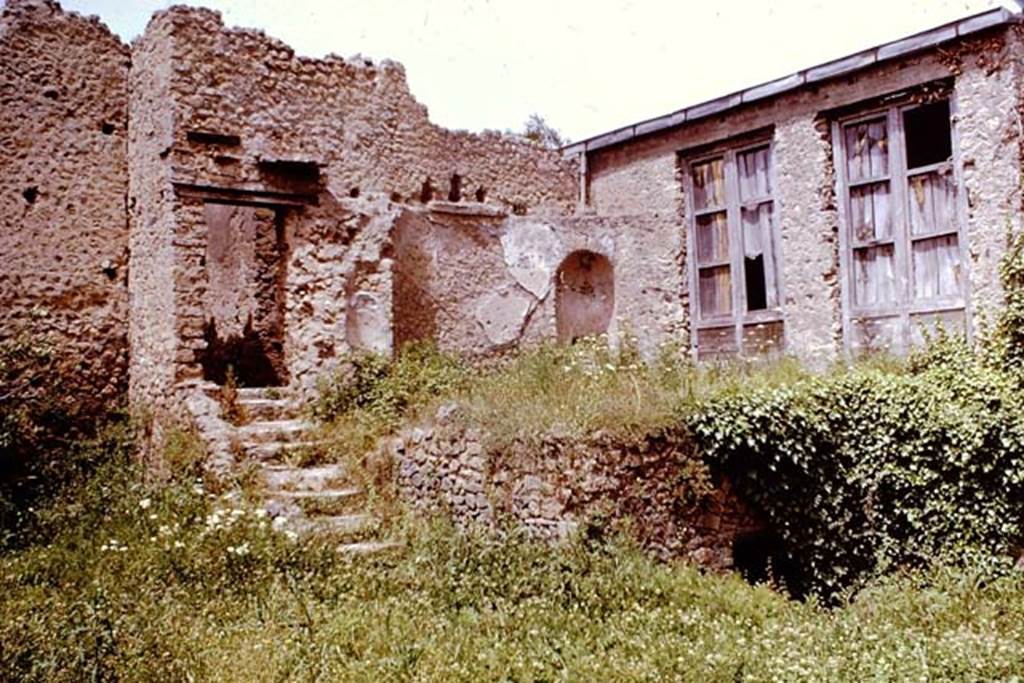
(587, 66)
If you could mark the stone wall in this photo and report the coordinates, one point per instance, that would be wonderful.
(256, 101)
(63, 181)
(641, 176)
(657, 486)
(337, 149)
(483, 283)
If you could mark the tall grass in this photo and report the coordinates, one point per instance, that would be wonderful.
(183, 583)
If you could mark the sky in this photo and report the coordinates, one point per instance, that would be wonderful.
(586, 66)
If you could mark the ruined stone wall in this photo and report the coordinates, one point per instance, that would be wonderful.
(357, 119)
(553, 488)
(485, 284)
(630, 178)
(151, 201)
(63, 182)
(338, 149)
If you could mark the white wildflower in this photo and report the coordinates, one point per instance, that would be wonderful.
(145, 503)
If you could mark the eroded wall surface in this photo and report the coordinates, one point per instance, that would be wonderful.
(339, 149)
(486, 284)
(642, 176)
(63, 181)
(552, 488)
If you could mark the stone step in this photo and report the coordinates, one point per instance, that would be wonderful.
(318, 478)
(269, 393)
(265, 431)
(277, 450)
(269, 409)
(331, 525)
(310, 503)
(368, 547)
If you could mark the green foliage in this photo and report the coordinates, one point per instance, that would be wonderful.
(39, 416)
(539, 131)
(386, 390)
(864, 469)
(886, 465)
(178, 583)
(230, 408)
(370, 396)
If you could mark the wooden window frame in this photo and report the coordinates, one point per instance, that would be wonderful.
(902, 239)
(739, 317)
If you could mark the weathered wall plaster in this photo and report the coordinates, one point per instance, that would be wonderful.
(63, 180)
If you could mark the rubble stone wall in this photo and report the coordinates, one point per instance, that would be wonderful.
(553, 488)
(63, 182)
(358, 120)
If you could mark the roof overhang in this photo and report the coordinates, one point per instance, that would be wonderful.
(837, 67)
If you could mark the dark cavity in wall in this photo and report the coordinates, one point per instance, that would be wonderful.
(31, 194)
(455, 188)
(481, 194)
(244, 306)
(427, 191)
(107, 128)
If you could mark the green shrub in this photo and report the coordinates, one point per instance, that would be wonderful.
(862, 469)
(386, 390)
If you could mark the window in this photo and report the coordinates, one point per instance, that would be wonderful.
(734, 264)
(900, 243)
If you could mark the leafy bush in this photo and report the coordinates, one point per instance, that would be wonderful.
(866, 468)
(369, 382)
(42, 425)
(883, 465)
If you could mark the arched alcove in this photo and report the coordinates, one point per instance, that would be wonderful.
(584, 295)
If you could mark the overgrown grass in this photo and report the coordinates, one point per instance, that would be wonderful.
(180, 583)
(572, 390)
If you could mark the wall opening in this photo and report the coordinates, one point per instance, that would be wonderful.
(584, 295)
(244, 305)
(760, 557)
(455, 188)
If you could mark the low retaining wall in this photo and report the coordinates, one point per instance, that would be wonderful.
(656, 485)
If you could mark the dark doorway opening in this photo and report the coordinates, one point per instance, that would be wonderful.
(244, 305)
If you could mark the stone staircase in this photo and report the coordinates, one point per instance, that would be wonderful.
(314, 500)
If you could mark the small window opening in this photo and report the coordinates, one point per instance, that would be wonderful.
(757, 293)
(481, 194)
(31, 194)
(354, 192)
(455, 188)
(107, 128)
(427, 191)
(927, 131)
(519, 208)
(396, 197)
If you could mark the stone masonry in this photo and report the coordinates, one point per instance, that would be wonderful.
(555, 488)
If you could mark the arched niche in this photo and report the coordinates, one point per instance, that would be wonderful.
(584, 295)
